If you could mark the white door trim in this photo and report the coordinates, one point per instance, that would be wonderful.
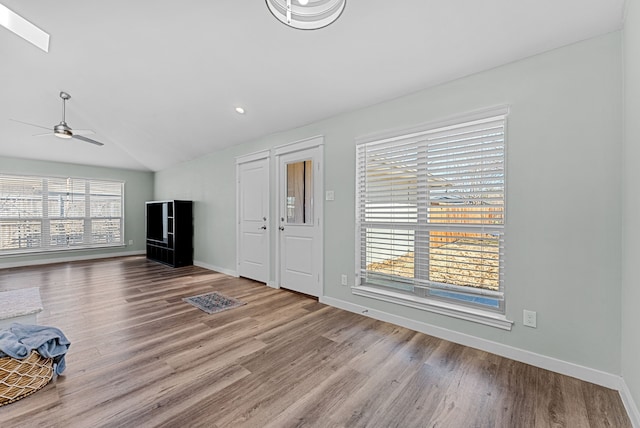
(240, 160)
(308, 143)
(263, 154)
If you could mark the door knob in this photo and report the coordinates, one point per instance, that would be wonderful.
(264, 227)
(281, 228)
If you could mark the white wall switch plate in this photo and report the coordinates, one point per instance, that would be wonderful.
(344, 280)
(329, 195)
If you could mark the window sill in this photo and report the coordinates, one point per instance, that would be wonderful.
(60, 249)
(469, 314)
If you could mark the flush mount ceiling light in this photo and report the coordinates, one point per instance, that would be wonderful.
(306, 14)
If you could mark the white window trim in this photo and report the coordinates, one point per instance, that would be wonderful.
(452, 120)
(459, 311)
(479, 316)
(74, 248)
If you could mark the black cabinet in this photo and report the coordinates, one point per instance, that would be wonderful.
(170, 232)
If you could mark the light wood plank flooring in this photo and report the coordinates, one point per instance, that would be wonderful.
(140, 357)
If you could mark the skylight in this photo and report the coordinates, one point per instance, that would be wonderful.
(23, 28)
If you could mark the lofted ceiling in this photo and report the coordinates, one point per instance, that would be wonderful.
(158, 80)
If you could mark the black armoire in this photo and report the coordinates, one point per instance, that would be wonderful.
(170, 232)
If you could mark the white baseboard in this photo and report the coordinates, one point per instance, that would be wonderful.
(598, 377)
(229, 272)
(630, 405)
(74, 258)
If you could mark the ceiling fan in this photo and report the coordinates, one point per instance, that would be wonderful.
(62, 130)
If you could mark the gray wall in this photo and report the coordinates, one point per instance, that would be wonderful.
(563, 245)
(631, 203)
(138, 189)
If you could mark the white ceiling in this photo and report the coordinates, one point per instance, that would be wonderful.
(158, 80)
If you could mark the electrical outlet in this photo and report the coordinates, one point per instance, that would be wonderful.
(529, 318)
(344, 280)
(130, 241)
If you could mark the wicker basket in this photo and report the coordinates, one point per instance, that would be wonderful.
(19, 378)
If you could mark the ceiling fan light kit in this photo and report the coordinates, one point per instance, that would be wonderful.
(62, 131)
(306, 14)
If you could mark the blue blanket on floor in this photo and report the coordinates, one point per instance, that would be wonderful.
(20, 339)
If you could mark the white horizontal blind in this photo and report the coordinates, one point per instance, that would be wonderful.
(66, 211)
(53, 213)
(430, 212)
(20, 213)
(106, 207)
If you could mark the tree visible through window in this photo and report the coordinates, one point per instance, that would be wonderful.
(430, 214)
(52, 213)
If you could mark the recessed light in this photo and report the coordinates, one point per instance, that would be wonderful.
(239, 110)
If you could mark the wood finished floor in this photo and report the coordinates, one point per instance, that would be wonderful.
(140, 357)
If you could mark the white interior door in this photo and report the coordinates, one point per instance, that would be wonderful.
(300, 228)
(253, 213)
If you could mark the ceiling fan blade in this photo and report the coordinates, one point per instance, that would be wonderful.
(87, 140)
(44, 135)
(83, 132)
(32, 124)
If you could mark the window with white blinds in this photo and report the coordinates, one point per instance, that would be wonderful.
(53, 213)
(431, 213)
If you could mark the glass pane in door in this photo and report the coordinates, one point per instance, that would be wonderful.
(300, 192)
